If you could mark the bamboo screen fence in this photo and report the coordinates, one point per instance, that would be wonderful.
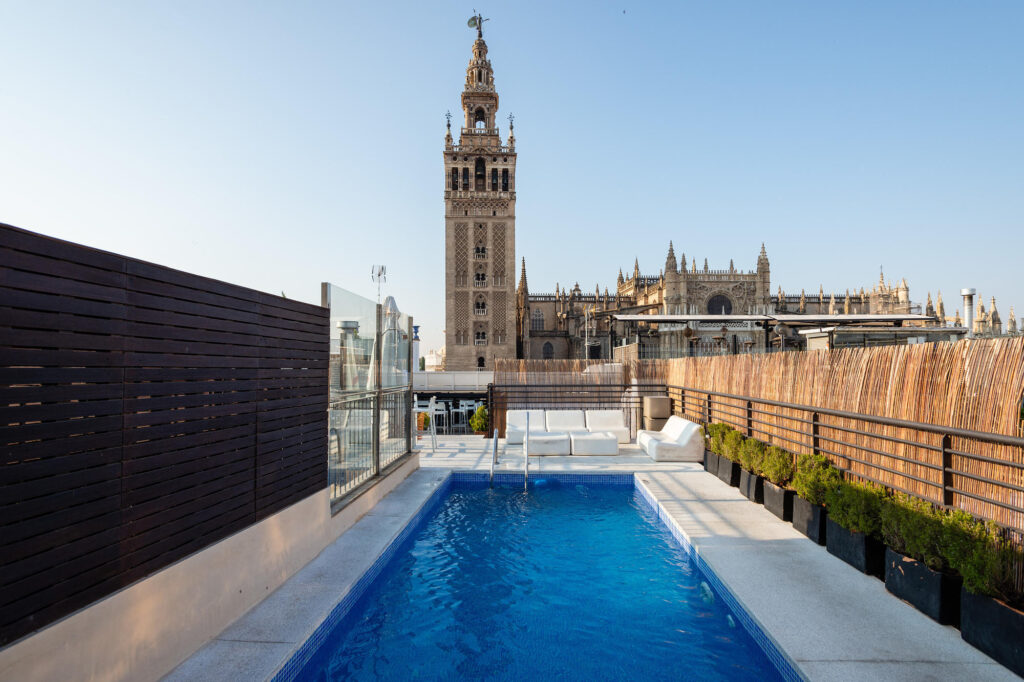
(971, 384)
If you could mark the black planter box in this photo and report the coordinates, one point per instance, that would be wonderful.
(810, 519)
(710, 462)
(864, 553)
(728, 471)
(778, 500)
(933, 593)
(994, 628)
(752, 486)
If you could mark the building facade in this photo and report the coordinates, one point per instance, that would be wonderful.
(480, 226)
(573, 324)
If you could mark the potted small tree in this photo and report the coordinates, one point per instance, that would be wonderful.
(751, 461)
(814, 475)
(916, 569)
(728, 464)
(478, 422)
(778, 472)
(991, 607)
(714, 434)
(854, 526)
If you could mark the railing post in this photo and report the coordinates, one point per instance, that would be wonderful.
(750, 419)
(380, 393)
(707, 409)
(815, 420)
(947, 474)
(491, 417)
(682, 402)
(410, 416)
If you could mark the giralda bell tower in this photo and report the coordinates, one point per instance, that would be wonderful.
(479, 226)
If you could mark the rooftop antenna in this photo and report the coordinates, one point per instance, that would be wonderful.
(379, 274)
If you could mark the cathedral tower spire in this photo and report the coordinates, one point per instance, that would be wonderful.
(481, 304)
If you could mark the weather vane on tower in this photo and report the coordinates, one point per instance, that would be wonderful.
(477, 21)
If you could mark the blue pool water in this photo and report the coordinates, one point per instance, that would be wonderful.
(565, 582)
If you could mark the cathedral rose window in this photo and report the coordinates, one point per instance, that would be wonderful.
(719, 304)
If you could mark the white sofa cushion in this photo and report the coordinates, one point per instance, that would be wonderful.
(594, 443)
(608, 421)
(565, 421)
(679, 440)
(515, 424)
(548, 443)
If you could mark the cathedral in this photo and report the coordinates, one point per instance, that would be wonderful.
(488, 315)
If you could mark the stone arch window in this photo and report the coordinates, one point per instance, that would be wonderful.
(480, 174)
(537, 321)
(719, 304)
(548, 351)
(480, 305)
(480, 338)
(480, 118)
(455, 178)
(465, 178)
(504, 180)
(494, 179)
(480, 362)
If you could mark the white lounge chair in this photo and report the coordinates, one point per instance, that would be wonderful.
(565, 421)
(678, 441)
(608, 420)
(515, 424)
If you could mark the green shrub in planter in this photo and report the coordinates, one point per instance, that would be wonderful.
(732, 445)
(752, 455)
(914, 527)
(980, 553)
(856, 507)
(777, 466)
(478, 422)
(716, 435)
(814, 476)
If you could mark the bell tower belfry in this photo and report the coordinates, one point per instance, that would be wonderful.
(480, 217)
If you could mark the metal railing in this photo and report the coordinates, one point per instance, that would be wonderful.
(948, 466)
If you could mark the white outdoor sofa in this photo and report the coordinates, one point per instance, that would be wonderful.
(678, 441)
(564, 432)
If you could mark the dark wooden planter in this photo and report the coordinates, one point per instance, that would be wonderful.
(728, 471)
(778, 500)
(993, 627)
(710, 462)
(933, 593)
(861, 551)
(810, 519)
(752, 486)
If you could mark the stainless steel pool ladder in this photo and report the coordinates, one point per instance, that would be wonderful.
(526, 454)
(494, 457)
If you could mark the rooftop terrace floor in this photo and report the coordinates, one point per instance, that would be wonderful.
(833, 622)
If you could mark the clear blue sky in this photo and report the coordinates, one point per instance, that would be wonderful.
(277, 145)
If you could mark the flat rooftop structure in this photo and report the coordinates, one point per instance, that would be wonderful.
(820, 320)
(908, 331)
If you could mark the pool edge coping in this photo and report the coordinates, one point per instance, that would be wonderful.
(299, 656)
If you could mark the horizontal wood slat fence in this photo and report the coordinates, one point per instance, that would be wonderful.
(147, 413)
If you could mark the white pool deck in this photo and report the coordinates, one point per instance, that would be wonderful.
(833, 622)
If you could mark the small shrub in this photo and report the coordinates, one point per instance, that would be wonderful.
(716, 434)
(856, 507)
(777, 466)
(478, 422)
(752, 455)
(914, 527)
(982, 555)
(814, 476)
(732, 444)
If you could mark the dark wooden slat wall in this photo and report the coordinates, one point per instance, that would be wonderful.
(145, 413)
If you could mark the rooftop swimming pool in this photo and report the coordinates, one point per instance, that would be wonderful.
(576, 579)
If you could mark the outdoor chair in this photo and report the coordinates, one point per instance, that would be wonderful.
(515, 424)
(608, 420)
(678, 441)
